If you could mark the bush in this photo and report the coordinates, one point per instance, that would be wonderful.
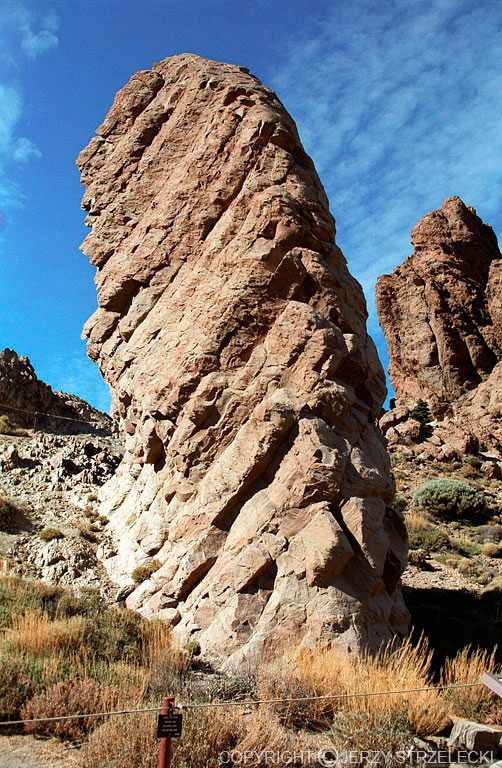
(430, 540)
(48, 534)
(6, 428)
(450, 499)
(382, 735)
(489, 533)
(421, 412)
(193, 648)
(474, 461)
(400, 502)
(70, 697)
(418, 558)
(143, 572)
(467, 548)
(491, 550)
(21, 676)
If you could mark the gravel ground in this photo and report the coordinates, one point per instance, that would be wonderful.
(22, 751)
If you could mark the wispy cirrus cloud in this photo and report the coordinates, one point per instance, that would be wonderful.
(23, 34)
(35, 43)
(400, 105)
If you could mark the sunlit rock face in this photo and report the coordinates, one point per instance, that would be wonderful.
(441, 313)
(234, 342)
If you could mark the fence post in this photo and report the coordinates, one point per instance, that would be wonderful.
(165, 744)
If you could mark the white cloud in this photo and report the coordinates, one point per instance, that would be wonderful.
(21, 33)
(38, 35)
(24, 150)
(400, 106)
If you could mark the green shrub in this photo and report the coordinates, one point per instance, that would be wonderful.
(468, 548)
(421, 412)
(143, 572)
(400, 502)
(114, 635)
(474, 461)
(193, 648)
(88, 603)
(429, 540)
(22, 676)
(418, 558)
(48, 534)
(450, 499)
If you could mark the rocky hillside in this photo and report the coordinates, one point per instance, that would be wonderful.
(50, 479)
(255, 488)
(440, 314)
(28, 402)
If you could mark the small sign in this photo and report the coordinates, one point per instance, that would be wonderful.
(169, 726)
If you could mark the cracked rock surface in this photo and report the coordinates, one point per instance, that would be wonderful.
(234, 342)
(441, 315)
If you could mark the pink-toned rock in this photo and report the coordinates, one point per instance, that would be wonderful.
(234, 342)
(435, 309)
(441, 313)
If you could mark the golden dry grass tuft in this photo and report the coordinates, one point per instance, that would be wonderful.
(477, 703)
(415, 521)
(37, 634)
(332, 671)
(121, 742)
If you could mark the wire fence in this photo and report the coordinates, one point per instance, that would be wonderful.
(50, 415)
(250, 702)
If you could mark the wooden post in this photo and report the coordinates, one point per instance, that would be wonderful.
(165, 744)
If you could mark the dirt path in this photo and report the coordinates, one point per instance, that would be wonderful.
(23, 751)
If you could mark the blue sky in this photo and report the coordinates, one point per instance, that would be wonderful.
(398, 102)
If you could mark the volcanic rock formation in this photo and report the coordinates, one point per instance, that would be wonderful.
(234, 342)
(22, 395)
(441, 313)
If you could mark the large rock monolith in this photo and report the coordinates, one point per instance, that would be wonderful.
(255, 483)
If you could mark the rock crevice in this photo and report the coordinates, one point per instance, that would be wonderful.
(234, 341)
(440, 313)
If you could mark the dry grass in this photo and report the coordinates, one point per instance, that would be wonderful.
(491, 550)
(330, 670)
(6, 428)
(74, 697)
(472, 703)
(54, 660)
(415, 521)
(36, 634)
(123, 742)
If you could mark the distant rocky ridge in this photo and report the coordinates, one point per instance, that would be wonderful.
(234, 341)
(441, 313)
(22, 395)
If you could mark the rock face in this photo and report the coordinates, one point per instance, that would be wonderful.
(234, 342)
(441, 314)
(22, 395)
